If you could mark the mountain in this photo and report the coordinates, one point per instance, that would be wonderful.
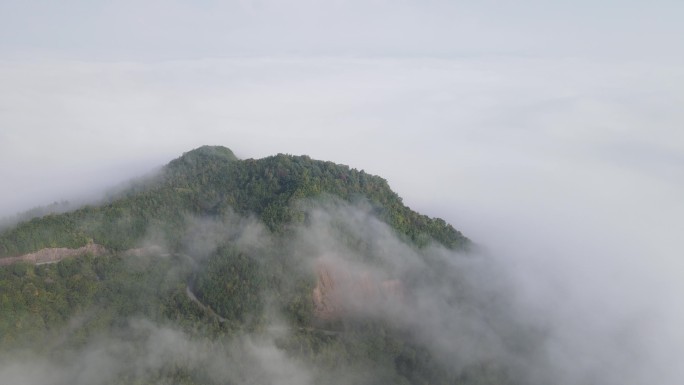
(219, 270)
(211, 181)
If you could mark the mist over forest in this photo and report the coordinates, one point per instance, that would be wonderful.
(285, 270)
(545, 135)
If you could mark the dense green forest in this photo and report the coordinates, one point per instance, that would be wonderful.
(211, 181)
(214, 249)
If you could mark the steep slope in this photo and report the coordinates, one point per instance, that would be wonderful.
(312, 271)
(211, 181)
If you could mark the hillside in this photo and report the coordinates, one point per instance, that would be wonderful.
(309, 270)
(211, 181)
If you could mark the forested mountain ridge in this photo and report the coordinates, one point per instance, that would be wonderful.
(212, 181)
(281, 270)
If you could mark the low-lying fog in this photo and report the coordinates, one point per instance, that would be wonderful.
(563, 157)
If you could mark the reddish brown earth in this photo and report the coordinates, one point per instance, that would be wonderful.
(53, 255)
(339, 290)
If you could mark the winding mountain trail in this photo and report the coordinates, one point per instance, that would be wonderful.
(199, 303)
(57, 254)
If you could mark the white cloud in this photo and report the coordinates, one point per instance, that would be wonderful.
(568, 150)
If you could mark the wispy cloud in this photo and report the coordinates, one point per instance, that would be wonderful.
(549, 133)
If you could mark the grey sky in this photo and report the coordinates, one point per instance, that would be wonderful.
(551, 132)
(183, 29)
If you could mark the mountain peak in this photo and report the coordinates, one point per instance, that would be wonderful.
(210, 151)
(198, 159)
(211, 181)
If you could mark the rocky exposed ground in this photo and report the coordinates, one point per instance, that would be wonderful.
(53, 255)
(340, 290)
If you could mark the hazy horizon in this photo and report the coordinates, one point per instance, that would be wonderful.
(550, 134)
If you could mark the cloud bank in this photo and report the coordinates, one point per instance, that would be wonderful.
(548, 133)
(555, 323)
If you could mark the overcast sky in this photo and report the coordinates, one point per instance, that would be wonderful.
(551, 132)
